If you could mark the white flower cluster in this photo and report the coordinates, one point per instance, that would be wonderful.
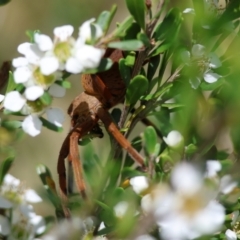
(207, 62)
(19, 218)
(186, 208)
(42, 64)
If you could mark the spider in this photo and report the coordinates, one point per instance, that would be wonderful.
(102, 91)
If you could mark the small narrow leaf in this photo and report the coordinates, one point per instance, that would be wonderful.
(11, 83)
(144, 38)
(50, 125)
(150, 139)
(64, 84)
(128, 45)
(152, 66)
(105, 18)
(11, 124)
(46, 99)
(121, 29)
(4, 168)
(130, 59)
(137, 87)
(137, 10)
(125, 71)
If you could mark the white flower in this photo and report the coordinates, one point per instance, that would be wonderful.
(139, 184)
(49, 65)
(14, 101)
(173, 139)
(85, 30)
(230, 235)
(187, 206)
(32, 125)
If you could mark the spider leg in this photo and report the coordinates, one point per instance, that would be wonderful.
(76, 164)
(113, 129)
(70, 149)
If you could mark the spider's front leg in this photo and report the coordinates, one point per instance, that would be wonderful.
(113, 129)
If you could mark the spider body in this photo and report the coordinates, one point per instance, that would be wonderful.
(102, 91)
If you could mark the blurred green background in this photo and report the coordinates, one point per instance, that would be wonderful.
(17, 17)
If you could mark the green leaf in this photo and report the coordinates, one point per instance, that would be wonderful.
(137, 10)
(128, 45)
(11, 83)
(64, 83)
(105, 64)
(130, 59)
(31, 33)
(125, 71)
(152, 67)
(150, 139)
(46, 99)
(121, 29)
(172, 105)
(169, 27)
(105, 18)
(132, 31)
(11, 124)
(161, 48)
(144, 38)
(3, 2)
(136, 88)
(50, 125)
(4, 168)
(49, 184)
(211, 86)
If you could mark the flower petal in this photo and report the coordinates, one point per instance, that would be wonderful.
(32, 196)
(14, 101)
(173, 138)
(5, 204)
(34, 92)
(55, 116)
(19, 62)
(22, 74)
(56, 90)
(11, 180)
(214, 61)
(212, 167)
(32, 125)
(227, 185)
(89, 56)
(74, 66)
(44, 42)
(139, 184)
(1, 97)
(4, 226)
(186, 179)
(63, 32)
(85, 30)
(49, 65)
(198, 50)
(211, 77)
(230, 235)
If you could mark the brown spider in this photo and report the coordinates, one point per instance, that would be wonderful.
(102, 91)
